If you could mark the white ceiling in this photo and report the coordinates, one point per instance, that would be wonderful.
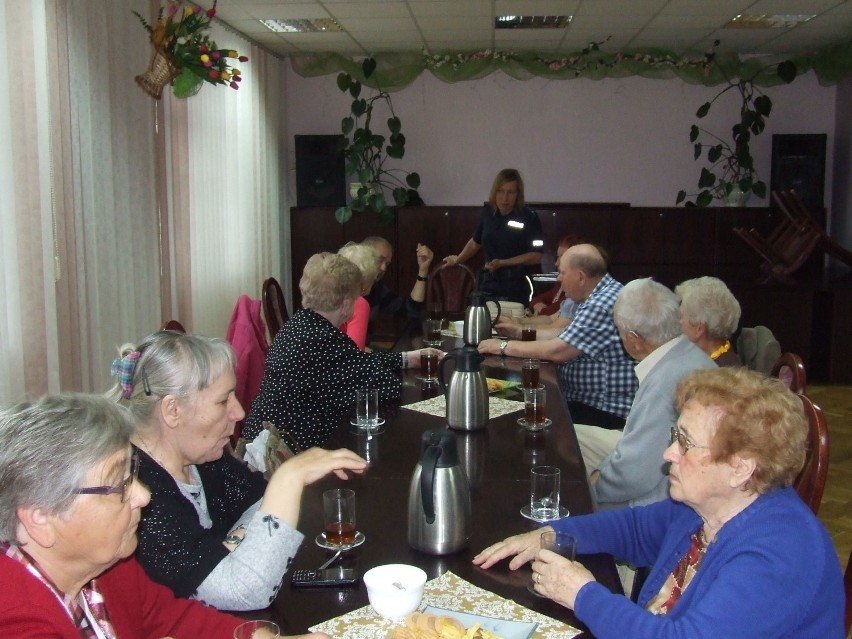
(377, 26)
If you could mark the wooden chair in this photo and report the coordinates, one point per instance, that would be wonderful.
(811, 480)
(449, 286)
(790, 369)
(847, 584)
(274, 307)
(172, 325)
(795, 209)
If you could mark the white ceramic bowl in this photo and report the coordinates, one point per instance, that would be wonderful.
(389, 600)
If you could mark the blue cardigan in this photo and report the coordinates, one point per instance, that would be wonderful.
(771, 572)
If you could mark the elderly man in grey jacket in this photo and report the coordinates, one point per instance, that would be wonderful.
(626, 468)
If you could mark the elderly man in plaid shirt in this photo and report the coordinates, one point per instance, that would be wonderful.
(595, 372)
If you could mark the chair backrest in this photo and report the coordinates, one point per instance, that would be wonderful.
(274, 306)
(790, 369)
(758, 349)
(450, 286)
(811, 480)
(172, 325)
(847, 584)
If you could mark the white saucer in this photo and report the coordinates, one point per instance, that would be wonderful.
(428, 380)
(534, 427)
(322, 543)
(525, 511)
(372, 427)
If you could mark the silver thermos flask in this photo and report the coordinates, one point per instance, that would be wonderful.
(477, 319)
(467, 392)
(439, 508)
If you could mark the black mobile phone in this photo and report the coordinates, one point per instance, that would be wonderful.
(338, 577)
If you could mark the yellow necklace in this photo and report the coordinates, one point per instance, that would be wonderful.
(724, 348)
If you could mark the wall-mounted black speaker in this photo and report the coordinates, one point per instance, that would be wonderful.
(320, 171)
(798, 162)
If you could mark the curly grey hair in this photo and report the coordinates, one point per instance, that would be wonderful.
(706, 300)
(47, 447)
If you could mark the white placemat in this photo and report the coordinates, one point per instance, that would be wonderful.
(453, 593)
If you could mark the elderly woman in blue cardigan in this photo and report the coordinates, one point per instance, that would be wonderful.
(734, 551)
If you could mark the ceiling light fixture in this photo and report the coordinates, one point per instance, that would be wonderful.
(531, 22)
(768, 21)
(306, 25)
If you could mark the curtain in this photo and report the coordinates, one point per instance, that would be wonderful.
(79, 217)
(119, 212)
(28, 336)
(225, 189)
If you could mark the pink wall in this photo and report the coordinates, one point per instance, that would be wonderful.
(621, 140)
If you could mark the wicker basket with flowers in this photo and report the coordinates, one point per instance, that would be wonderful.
(184, 54)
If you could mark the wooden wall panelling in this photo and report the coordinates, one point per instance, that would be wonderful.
(668, 244)
(314, 229)
(444, 229)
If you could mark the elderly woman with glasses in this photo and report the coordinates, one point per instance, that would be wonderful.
(69, 508)
(214, 530)
(734, 551)
(709, 315)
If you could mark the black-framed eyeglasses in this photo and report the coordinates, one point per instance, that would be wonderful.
(683, 442)
(123, 488)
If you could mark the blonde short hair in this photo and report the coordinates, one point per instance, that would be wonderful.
(328, 280)
(365, 258)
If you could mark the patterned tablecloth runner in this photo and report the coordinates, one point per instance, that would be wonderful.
(437, 406)
(452, 593)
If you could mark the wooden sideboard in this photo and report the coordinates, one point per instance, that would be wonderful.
(670, 244)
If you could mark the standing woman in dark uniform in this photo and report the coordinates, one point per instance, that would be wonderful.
(511, 235)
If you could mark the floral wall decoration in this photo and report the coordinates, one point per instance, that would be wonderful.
(184, 55)
(398, 70)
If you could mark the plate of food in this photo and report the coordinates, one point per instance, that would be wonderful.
(481, 627)
(499, 385)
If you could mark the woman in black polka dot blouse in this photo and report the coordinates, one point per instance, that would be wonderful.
(313, 368)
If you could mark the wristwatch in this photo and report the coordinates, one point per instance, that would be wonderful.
(503, 344)
(421, 278)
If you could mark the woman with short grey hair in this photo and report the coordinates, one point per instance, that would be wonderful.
(709, 315)
(313, 369)
(214, 530)
(367, 261)
(69, 509)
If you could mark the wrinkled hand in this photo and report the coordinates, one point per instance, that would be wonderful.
(489, 346)
(315, 463)
(451, 260)
(424, 256)
(524, 548)
(508, 326)
(559, 578)
(414, 356)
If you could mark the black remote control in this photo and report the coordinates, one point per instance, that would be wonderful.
(329, 577)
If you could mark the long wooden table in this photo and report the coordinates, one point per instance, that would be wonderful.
(498, 461)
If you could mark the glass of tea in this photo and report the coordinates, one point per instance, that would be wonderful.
(535, 402)
(428, 366)
(432, 332)
(530, 373)
(339, 509)
(528, 333)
